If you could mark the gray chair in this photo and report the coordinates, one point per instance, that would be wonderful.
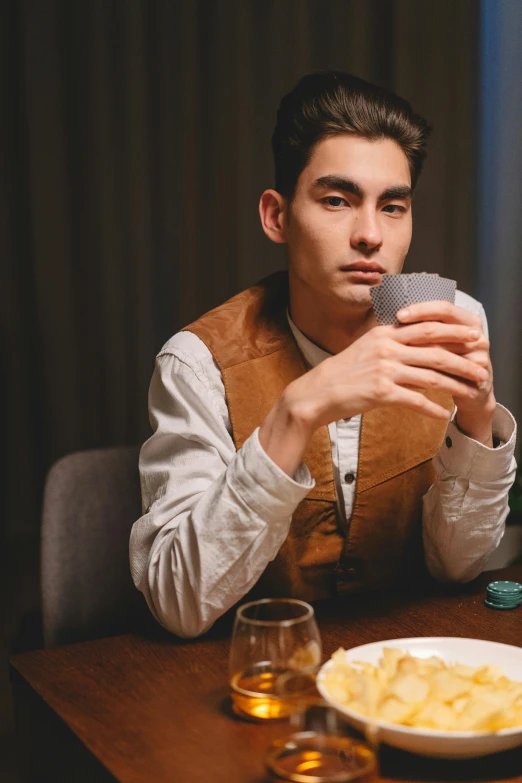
(91, 500)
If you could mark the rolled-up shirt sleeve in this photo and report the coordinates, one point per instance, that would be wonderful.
(465, 510)
(213, 517)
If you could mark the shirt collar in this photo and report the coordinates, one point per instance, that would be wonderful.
(312, 353)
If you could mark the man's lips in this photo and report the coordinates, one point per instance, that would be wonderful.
(363, 266)
(368, 272)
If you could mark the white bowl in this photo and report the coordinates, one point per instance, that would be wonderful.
(429, 742)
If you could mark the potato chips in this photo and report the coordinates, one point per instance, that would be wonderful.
(426, 692)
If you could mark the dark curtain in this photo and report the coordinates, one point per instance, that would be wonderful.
(135, 146)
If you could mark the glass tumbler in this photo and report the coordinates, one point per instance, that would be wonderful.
(318, 746)
(275, 654)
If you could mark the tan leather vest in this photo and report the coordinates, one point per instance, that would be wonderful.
(258, 356)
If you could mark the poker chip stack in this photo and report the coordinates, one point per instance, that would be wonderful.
(503, 595)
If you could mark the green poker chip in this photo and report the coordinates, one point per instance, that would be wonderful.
(501, 606)
(504, 601)
(505, 588)
(503, 595)
(503, 598)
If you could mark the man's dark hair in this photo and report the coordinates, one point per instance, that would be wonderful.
(331, 103)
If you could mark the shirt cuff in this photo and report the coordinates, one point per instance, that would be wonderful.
(267, 489)
(467, 458)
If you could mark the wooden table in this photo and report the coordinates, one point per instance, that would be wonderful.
(155, 708)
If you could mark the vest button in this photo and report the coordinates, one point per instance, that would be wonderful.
(449, 442)
(350, 572)
(349, 478)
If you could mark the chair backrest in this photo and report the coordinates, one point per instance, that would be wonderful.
(91, 500)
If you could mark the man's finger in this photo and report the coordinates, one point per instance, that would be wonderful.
(407, 398)
(442, 361)
(459, 348)
(420, 378)
(438, 311)
(433, 332)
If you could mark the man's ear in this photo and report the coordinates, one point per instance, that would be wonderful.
(272, 211)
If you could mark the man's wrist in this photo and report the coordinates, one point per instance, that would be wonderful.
(477, 425)
(296, 407)
(285, 433)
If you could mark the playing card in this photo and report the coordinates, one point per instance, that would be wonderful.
(397, 291)
(429, 288)
(389, 297)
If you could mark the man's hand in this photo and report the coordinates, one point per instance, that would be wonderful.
(385, 367)
(474, 414)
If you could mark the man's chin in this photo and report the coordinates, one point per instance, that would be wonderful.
(356, 296)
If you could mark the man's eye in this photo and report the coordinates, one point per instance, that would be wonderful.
(394, 208)
(334, 201)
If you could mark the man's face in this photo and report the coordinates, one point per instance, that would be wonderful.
(352, 206)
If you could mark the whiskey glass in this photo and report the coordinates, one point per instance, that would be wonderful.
(318, 746)
(275, 654)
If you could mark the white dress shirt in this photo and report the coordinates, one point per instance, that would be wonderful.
(214, 517)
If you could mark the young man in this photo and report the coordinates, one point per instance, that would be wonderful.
(300, 449)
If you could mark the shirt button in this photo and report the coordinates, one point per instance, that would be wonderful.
(449, 442)
(349, 478)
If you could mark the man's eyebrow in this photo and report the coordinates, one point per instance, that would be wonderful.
(396, 191)
(339, 183)
(336, 182)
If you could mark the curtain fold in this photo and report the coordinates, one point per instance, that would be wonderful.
(135, 149)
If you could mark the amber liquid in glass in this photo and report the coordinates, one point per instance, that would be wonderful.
(266, 693)
(322, 757)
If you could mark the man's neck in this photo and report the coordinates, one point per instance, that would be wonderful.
(333, 328)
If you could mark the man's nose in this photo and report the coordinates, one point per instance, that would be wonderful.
(366, 231)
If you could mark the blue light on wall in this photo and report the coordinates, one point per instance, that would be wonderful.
(500, 191)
